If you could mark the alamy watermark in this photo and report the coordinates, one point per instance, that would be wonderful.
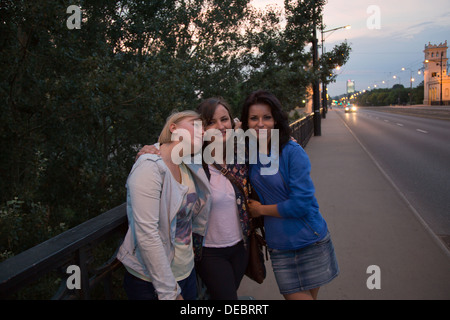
(374, 20)
(235, 143)
(74, 280)
(74, 20)
(374, 280)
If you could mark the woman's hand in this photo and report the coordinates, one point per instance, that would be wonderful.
(237, 123)
(254, 208)
(147, 149)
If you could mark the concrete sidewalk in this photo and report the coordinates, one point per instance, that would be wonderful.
(370, 224)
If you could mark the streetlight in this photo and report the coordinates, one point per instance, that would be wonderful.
(395, 77)
(411, 79)
(324, 85)
(440, 80)
(316, 84)
(442, 53)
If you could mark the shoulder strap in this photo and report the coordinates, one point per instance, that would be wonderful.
(255, 223)
(205, 167)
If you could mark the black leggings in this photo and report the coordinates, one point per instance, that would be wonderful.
(222, 269)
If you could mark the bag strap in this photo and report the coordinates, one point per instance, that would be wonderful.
(256, 223)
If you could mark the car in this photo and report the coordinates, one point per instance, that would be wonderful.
(350, 108)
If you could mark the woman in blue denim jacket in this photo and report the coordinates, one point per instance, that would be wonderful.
(300, 246)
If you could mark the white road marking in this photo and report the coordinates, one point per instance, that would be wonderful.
(420, 130)
(400, 125)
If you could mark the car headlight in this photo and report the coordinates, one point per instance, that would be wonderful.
(354, 108)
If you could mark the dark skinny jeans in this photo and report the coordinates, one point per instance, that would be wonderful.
(222, 269)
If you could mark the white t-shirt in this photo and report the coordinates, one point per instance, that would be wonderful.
(224, 229)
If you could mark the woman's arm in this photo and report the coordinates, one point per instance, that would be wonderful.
(301, 200)
(257, 209)
(153, 149)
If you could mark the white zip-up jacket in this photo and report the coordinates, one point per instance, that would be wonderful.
(153, 199)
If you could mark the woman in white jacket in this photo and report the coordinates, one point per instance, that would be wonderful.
(167, 201)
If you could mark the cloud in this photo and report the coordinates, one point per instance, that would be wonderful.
(406, 26)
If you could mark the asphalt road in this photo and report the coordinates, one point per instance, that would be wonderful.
(370, 222)
(412, 145)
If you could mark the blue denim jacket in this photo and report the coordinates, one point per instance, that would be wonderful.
(301, 223)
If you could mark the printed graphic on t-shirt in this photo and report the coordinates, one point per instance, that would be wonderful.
(184, 220)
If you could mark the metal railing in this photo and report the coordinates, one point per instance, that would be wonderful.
(302, 129)
(73, 247)
(76, 247)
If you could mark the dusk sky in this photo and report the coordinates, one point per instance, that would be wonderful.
(380, 51)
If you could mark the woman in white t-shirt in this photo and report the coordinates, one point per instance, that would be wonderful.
(221, 255)
(223, 258)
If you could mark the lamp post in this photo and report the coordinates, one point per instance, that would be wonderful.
(324, 85)
(316, 86)
(440, 99)
(411, 79)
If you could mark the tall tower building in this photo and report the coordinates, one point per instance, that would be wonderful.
(350, 86)
(436, 79)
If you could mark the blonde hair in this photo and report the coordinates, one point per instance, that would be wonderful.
(175, 117)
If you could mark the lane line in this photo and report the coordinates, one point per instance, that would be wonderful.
(415, 212)
(402, 125)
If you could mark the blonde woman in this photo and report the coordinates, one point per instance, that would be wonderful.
(166, 203)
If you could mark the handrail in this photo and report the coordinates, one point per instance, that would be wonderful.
(69, 247)
(302, 129)
(74, 247)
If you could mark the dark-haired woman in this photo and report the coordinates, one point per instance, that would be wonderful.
(301, 250)
(224, 258)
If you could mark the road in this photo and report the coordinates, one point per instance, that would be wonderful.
(414, 151)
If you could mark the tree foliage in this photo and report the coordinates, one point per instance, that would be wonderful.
(338, 56)
(397, 95)
(75, 104)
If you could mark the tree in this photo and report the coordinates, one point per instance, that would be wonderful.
(338, 56)
(75, 104)
(398, 94)
(278, 60)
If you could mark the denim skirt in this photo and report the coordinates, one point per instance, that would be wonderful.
(305, 268)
